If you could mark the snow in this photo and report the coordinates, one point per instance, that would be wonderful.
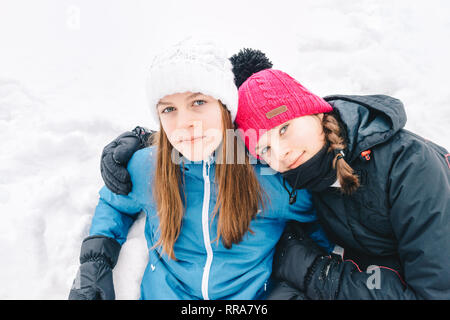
(72, 78)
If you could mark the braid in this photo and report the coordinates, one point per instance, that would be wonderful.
(334, 135)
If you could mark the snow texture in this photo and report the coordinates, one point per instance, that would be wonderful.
(72, 79)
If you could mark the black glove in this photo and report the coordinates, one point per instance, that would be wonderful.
(295, 256)
(115, 157)
(94, 279)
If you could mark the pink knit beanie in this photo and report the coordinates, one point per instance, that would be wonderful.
(269, 98)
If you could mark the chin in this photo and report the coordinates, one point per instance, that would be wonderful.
(202, 154)
(282, 170)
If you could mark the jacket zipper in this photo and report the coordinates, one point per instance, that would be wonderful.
(205, 226)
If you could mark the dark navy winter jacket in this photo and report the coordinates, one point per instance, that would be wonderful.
(398, 221)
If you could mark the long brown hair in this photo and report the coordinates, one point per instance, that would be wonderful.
(239, 193)
(335, 136)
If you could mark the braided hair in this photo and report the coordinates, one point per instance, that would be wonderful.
(335, 135)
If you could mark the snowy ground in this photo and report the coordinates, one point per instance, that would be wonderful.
(72, 75)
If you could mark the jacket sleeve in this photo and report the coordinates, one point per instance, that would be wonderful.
(420, 216)
(115, 213)
(419, 198)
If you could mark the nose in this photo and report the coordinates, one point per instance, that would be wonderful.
(283, 153)
(186, 119)
(188, 124)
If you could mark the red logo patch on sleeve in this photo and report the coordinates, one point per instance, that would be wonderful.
(446, 158)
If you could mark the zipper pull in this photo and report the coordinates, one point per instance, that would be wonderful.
(293, 197)
(205, 170)
(208, 165)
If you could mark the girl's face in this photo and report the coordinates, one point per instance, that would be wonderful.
(192, 123)
(292, 143)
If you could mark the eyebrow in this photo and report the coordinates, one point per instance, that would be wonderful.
(194, 95)
(160, 103)
(188, 98)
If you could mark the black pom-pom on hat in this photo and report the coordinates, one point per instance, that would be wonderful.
(247, 62)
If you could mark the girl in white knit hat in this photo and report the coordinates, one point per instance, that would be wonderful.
(211, 225)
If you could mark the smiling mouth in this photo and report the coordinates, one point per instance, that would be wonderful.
(297, 161)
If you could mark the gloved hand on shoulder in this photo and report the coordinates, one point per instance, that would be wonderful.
(115, 157)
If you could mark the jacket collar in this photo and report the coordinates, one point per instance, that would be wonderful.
(195, 168)
(369, 120)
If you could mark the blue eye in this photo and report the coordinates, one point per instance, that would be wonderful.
(167, 110)
(283, 129)
(264, 150)
(200, 102)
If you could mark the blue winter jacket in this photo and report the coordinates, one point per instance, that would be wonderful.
(204, 269)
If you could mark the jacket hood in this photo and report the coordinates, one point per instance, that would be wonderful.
(370, 120)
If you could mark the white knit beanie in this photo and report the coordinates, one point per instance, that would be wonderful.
(195, 66)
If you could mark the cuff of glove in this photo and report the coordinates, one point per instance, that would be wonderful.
(100, 248)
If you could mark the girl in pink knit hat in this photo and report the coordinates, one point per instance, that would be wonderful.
(380, 191)
(370, 183)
